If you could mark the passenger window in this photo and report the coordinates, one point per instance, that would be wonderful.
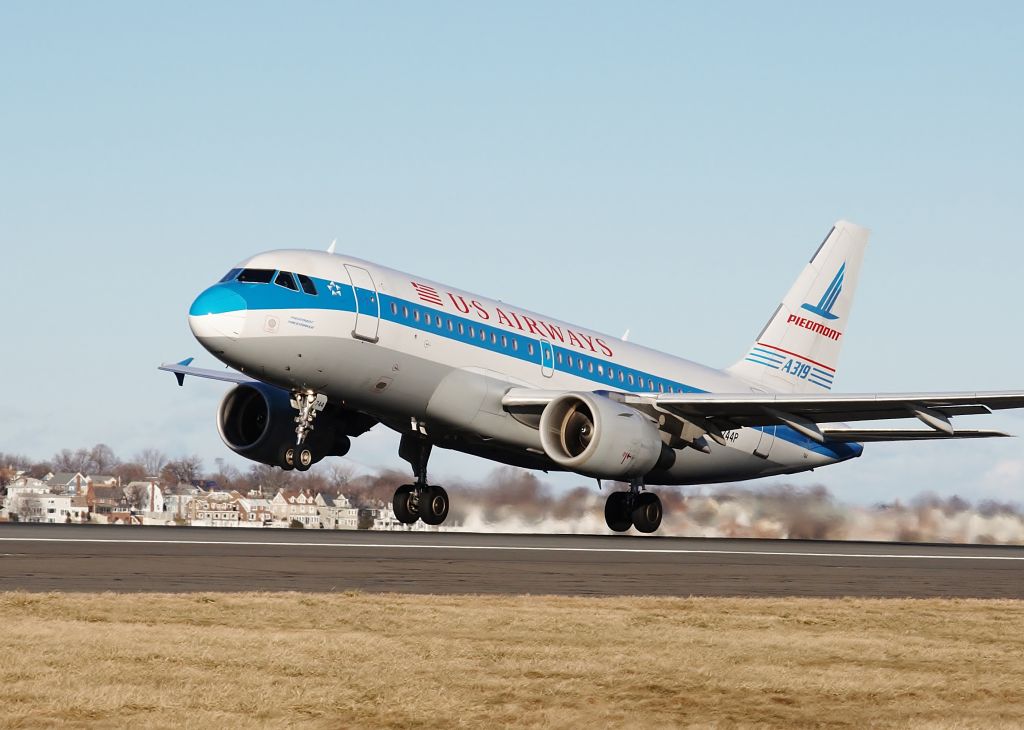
(256, 276)
(286, 280)
(661, 387)
(416, 315)
(515, 344)
(559, 358)
(590, 366)
(504, 342)
(230, 276)
(568, 360)
(529, 348)
(451, 326)
(426, 318)
(462, 328)
(394, 309)
(630, 378)
(440, 322)
(600, 370)
(640, 381)
(405, 312)
(472, 331)
(483, 334)
(307, 284)
(494, 338)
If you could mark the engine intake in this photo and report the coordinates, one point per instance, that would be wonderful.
(596, 436)
(257, 421)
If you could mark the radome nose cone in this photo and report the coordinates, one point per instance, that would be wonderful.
(217, 312)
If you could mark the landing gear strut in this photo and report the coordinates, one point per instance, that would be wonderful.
(308, 403)
(635, 508)
(419, 501)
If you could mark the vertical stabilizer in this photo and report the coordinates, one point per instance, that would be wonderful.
(798, 350)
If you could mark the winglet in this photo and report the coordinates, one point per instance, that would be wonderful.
(181, 376)
(330, 249)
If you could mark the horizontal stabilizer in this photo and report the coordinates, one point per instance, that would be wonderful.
(879, 435)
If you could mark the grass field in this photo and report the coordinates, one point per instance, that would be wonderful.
(362, 660)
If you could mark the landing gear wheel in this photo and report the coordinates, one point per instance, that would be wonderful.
(406, 504)
(287, 458)
(616, 512)
(647, 512)
(433, 505)
(304, 460)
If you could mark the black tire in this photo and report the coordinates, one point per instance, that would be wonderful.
(647, 512)
(403, 505)
(616, 512)
(434, 505)
(286, 458)
(304, 459)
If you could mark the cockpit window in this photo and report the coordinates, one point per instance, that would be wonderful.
(256, 276)
(230, 276)
(286, 280)
(307, 284)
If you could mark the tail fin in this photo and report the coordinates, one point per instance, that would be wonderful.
(798, 350)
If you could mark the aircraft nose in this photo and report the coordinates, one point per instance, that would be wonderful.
(217, 312)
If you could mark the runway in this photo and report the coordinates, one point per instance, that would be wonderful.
(182, 559)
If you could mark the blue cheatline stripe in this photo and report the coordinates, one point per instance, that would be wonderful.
(340, 297)
(768, 354)
(827, 386)
(772, 365)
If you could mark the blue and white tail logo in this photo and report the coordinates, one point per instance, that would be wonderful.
(828, 300)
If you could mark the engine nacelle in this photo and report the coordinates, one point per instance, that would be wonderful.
(257, 421)
(593, 435)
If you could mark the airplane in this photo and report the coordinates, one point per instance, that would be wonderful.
(321, 347)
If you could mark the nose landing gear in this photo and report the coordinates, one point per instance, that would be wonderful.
(635, 508)
(308, 403)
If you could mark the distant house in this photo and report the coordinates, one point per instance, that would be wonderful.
(24, 502)
(105, 500)
(254, 512)
(384, 519)
(146, 496)
(67, 483)
(296, 504)
(214, 509)
(336, 513)
(59, 508)
(104, 480)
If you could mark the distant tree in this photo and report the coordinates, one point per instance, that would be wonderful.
(185, 470)
(102, 459)
(130, 471)
(295, 524)
(72, 462)
(152, 460)
(269, 479)
(6, 476)
(40, 469)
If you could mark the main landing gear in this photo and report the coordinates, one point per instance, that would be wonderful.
(419, 501)
(635, 508)
(308, 403)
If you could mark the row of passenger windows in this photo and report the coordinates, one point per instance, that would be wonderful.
(265, 276)
(576, 363)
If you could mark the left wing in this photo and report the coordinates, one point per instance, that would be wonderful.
(181, 369)
(712, 413)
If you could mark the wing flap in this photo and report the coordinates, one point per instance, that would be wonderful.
(879, 435)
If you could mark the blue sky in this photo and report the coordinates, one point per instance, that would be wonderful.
(663, 167)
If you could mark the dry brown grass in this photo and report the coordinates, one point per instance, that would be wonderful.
(346, 660)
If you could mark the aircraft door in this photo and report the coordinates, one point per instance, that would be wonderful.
(547, 359)
(367, 303)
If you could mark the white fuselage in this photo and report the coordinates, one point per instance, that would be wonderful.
(417, 354)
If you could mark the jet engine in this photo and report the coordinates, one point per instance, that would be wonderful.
(593, 435)
(257, 421)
